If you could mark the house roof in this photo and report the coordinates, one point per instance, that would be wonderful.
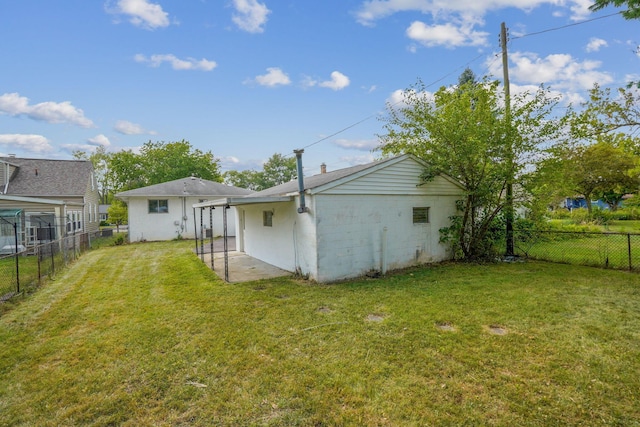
(47, 178)
(186, 187)
(319, 180)
(312, 184)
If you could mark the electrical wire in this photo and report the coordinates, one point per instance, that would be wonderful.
(566, 26)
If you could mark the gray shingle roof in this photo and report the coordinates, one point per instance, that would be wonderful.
(47, 178)
(186, 187)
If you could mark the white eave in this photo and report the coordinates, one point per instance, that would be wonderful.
(32, 200)
(236, 201)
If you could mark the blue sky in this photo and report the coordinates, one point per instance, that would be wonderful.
(249, 78)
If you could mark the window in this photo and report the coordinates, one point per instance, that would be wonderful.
(267, 218)
(420, 215)
(158, 206)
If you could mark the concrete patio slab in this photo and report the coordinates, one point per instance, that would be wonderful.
(243, 268)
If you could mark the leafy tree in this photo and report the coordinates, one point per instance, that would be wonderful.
(248, 179)
(167, 161)
(602, 171)
(277, 170)
(463, 133)
(126, 170)
(467, 76)
(633, 7)
(607, 112)
(100, 161)
(118, 213)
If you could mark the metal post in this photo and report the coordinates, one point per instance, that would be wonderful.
(15, 231)
(226, 246)
(201, 237)
(629, 250)
(211, 208)
(195, 229)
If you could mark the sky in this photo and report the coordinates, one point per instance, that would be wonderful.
(246, 79)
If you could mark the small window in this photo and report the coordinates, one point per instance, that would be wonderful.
(420, 215)
(158, 206)
(267, 218)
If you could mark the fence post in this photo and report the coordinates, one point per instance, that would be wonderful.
(629, 250)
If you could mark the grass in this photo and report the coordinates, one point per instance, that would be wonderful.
(146, 335)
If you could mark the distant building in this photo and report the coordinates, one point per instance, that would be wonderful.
(46, 200)
(164, 211)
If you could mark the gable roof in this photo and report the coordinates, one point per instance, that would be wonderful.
(48, 178)
(314, 181)
(186, 187)
(317, 183)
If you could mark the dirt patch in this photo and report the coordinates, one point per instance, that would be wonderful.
(325, 310)
(497, 330)
(375, 318)
(445, 326)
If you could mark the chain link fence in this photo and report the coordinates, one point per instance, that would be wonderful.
(598, 249)
(26, 269)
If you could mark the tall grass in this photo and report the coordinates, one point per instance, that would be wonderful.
(146, 335)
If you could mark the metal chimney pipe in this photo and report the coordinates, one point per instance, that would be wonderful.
(303, 208)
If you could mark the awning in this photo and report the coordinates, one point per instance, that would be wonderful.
(10, 213)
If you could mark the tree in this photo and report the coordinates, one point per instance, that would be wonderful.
(605, 112)
(602, 171)
(100, 161)
(277, 170)
(463, 133)
(166, 161)
(467, 76)
(244, 179)
(633, 7)
(118, 213)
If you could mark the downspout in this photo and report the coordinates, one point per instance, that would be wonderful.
(303, 207)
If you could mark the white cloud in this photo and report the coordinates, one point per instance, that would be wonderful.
(177, 63)
(358, 144)
(99, 141)
(358, 160)
(595, 44)
(449, 34)
(28, 142)
(251, 15)
(142, 13)
(338, 81)
(561, 71)
(50, 112)
(373, 10)
(274, 77)
(127, 128)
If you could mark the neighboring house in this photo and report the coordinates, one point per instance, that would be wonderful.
(47, 199)
(165, 211)
(373, 217)
(103, 212)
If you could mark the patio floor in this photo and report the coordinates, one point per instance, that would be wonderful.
(242, 267)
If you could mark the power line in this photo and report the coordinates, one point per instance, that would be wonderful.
(566, 26)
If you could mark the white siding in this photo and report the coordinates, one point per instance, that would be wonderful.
(289, 243)
(351, 230)
(179, 221)
(399, 178)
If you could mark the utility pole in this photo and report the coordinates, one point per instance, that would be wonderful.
(509, 214)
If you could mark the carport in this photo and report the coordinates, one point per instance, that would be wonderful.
(222, 254)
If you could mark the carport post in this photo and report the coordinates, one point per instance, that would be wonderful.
(195, 229)
(226, 246)
(201, 238)
(211, 208)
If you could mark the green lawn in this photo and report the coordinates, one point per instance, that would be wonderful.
(145, 334)
(601, 250)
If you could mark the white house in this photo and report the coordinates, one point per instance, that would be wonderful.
(373, 217)
(164, 211)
